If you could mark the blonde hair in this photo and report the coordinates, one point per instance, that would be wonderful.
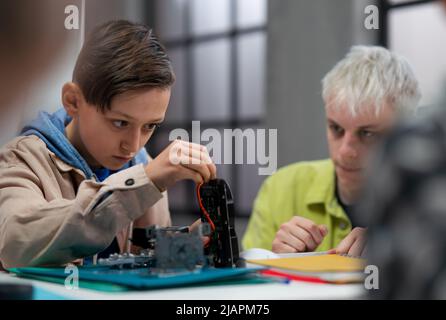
(371, 76)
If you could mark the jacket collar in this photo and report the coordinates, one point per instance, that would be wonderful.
(62, 166)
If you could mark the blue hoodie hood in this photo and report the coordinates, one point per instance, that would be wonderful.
(51, 129)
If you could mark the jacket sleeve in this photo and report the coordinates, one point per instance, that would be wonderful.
(34, 231)
(158, 214)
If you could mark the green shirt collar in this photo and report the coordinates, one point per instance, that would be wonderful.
(322, 191)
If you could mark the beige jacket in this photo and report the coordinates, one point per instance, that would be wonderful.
(51, 215)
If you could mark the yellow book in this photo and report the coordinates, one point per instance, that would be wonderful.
(328, 267)
(316, 263)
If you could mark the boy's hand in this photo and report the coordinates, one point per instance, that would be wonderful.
(353, 244)
(298, 235)
(179, 161)
(194, 226)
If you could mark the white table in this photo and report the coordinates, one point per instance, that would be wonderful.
(271, 291)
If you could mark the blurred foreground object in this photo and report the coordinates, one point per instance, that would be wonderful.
(32, 35)
(405, 205)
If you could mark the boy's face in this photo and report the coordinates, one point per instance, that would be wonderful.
(350, 140)
(113, 137)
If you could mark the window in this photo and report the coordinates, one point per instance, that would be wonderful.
(415, 30)
(218, 50)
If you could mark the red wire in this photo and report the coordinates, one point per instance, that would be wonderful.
(206, 214)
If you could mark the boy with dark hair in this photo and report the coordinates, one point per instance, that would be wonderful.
(77, 181)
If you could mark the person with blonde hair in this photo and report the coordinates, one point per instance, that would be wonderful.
(307, 206)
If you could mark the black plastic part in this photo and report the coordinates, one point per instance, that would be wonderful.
(16, 291)
(216, 198)
(144, 237)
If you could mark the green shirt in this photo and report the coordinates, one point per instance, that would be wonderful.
(306, 189)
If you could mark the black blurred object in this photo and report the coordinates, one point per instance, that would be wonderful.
(171, 247)
(404, 205)
(163, 249)
(216, 200)
(15, 291)
(146, 237)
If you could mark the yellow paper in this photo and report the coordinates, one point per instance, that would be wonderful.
(317, 263)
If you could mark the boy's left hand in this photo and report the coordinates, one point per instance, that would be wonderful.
(353, 244)
(194, 226)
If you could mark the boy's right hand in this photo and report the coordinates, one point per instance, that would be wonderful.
(298, 235)
(179, 161)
